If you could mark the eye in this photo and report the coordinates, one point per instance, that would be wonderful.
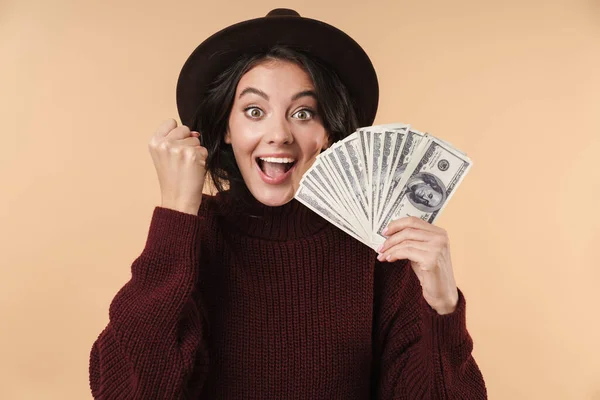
(303, 114)
(254, 112)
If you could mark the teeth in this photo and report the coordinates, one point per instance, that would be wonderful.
(278, 160)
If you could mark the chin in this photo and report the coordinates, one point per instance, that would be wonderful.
(273, 198)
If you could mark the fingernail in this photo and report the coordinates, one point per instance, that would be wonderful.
(388, 258)
(379, 249)
(380, 257)
(384, 231)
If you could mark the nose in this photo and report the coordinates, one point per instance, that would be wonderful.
(279, 132)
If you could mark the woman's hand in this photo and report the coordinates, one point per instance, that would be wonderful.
(427, 248)
(180, 163)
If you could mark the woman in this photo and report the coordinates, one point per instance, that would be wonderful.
(248, 294)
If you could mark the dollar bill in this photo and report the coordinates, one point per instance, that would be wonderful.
(396, 151)
(411, 143)
(376, 150)
(311, 201)
(431, 179)
(332, 207)
(335, 174)
(351, 182)
(363, 151)
(352, 148)
(322, 173)
(379, 174)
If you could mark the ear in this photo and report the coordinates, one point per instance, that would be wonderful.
(227, 137)
(327, 144)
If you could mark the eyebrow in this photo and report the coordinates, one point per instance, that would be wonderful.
(305, 93)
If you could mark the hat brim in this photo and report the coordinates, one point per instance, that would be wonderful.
(329, 44)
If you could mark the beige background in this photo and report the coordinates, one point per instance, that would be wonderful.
(515, 84)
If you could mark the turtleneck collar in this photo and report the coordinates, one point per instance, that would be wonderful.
(292, 220)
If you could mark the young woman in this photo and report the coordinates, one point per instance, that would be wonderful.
(249, 294)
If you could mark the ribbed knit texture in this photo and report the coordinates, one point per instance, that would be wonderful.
(274, 303)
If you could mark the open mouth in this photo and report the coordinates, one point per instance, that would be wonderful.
(275, 167)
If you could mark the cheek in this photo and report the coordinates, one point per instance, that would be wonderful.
(241, 137)
(315, 144)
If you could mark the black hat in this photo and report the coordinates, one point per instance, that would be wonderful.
(280, 27)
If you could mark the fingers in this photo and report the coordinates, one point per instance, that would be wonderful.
(169, 130)
(166, 127)
(190, 141)
(179, 133)
(409, 222)
(406, 234)
(384, 254)
(407, 252)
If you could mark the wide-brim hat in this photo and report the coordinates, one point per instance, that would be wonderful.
(279, 27)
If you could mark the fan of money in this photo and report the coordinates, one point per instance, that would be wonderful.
(381, 173)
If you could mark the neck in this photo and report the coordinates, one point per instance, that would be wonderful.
(289, 221)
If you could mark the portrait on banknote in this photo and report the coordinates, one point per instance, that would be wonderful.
(426, 192)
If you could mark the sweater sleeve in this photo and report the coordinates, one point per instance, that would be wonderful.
(154, 344)
(422, 355)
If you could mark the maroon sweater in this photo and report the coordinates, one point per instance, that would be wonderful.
(278, 305)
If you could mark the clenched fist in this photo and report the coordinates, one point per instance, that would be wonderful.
(180, 163)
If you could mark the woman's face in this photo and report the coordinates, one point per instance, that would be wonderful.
(274, 130)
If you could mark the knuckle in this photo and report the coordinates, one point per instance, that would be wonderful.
(175, 150)
(162, 145)
(154, 142)
(444, 237)
(189, 152)
(414, 221)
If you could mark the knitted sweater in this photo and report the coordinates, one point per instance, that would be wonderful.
(278, 304)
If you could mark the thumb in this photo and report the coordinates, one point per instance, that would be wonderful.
(166, 126)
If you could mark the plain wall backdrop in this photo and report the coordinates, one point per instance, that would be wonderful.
(515, 84)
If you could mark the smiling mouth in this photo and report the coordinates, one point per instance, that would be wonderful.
(275, 167)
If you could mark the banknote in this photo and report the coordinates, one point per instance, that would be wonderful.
(322, 174)
(337, 177)
(381, 173)
(349, 179)
(315, 204)
(375, 156)
(332, 204)
(351, 146)
(431, 180)
(411, 143)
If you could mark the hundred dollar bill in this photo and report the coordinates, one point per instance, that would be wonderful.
(431, 179)
(321, 173)
(365, 145)
(363, 151)
(352, 148)
(350, 182)
(388, 147)
(307, 198)
(395, 153)
(313, 184)
(410, 147)
(330, 207)
(336, 175)
(375, 156)
(382, 139)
